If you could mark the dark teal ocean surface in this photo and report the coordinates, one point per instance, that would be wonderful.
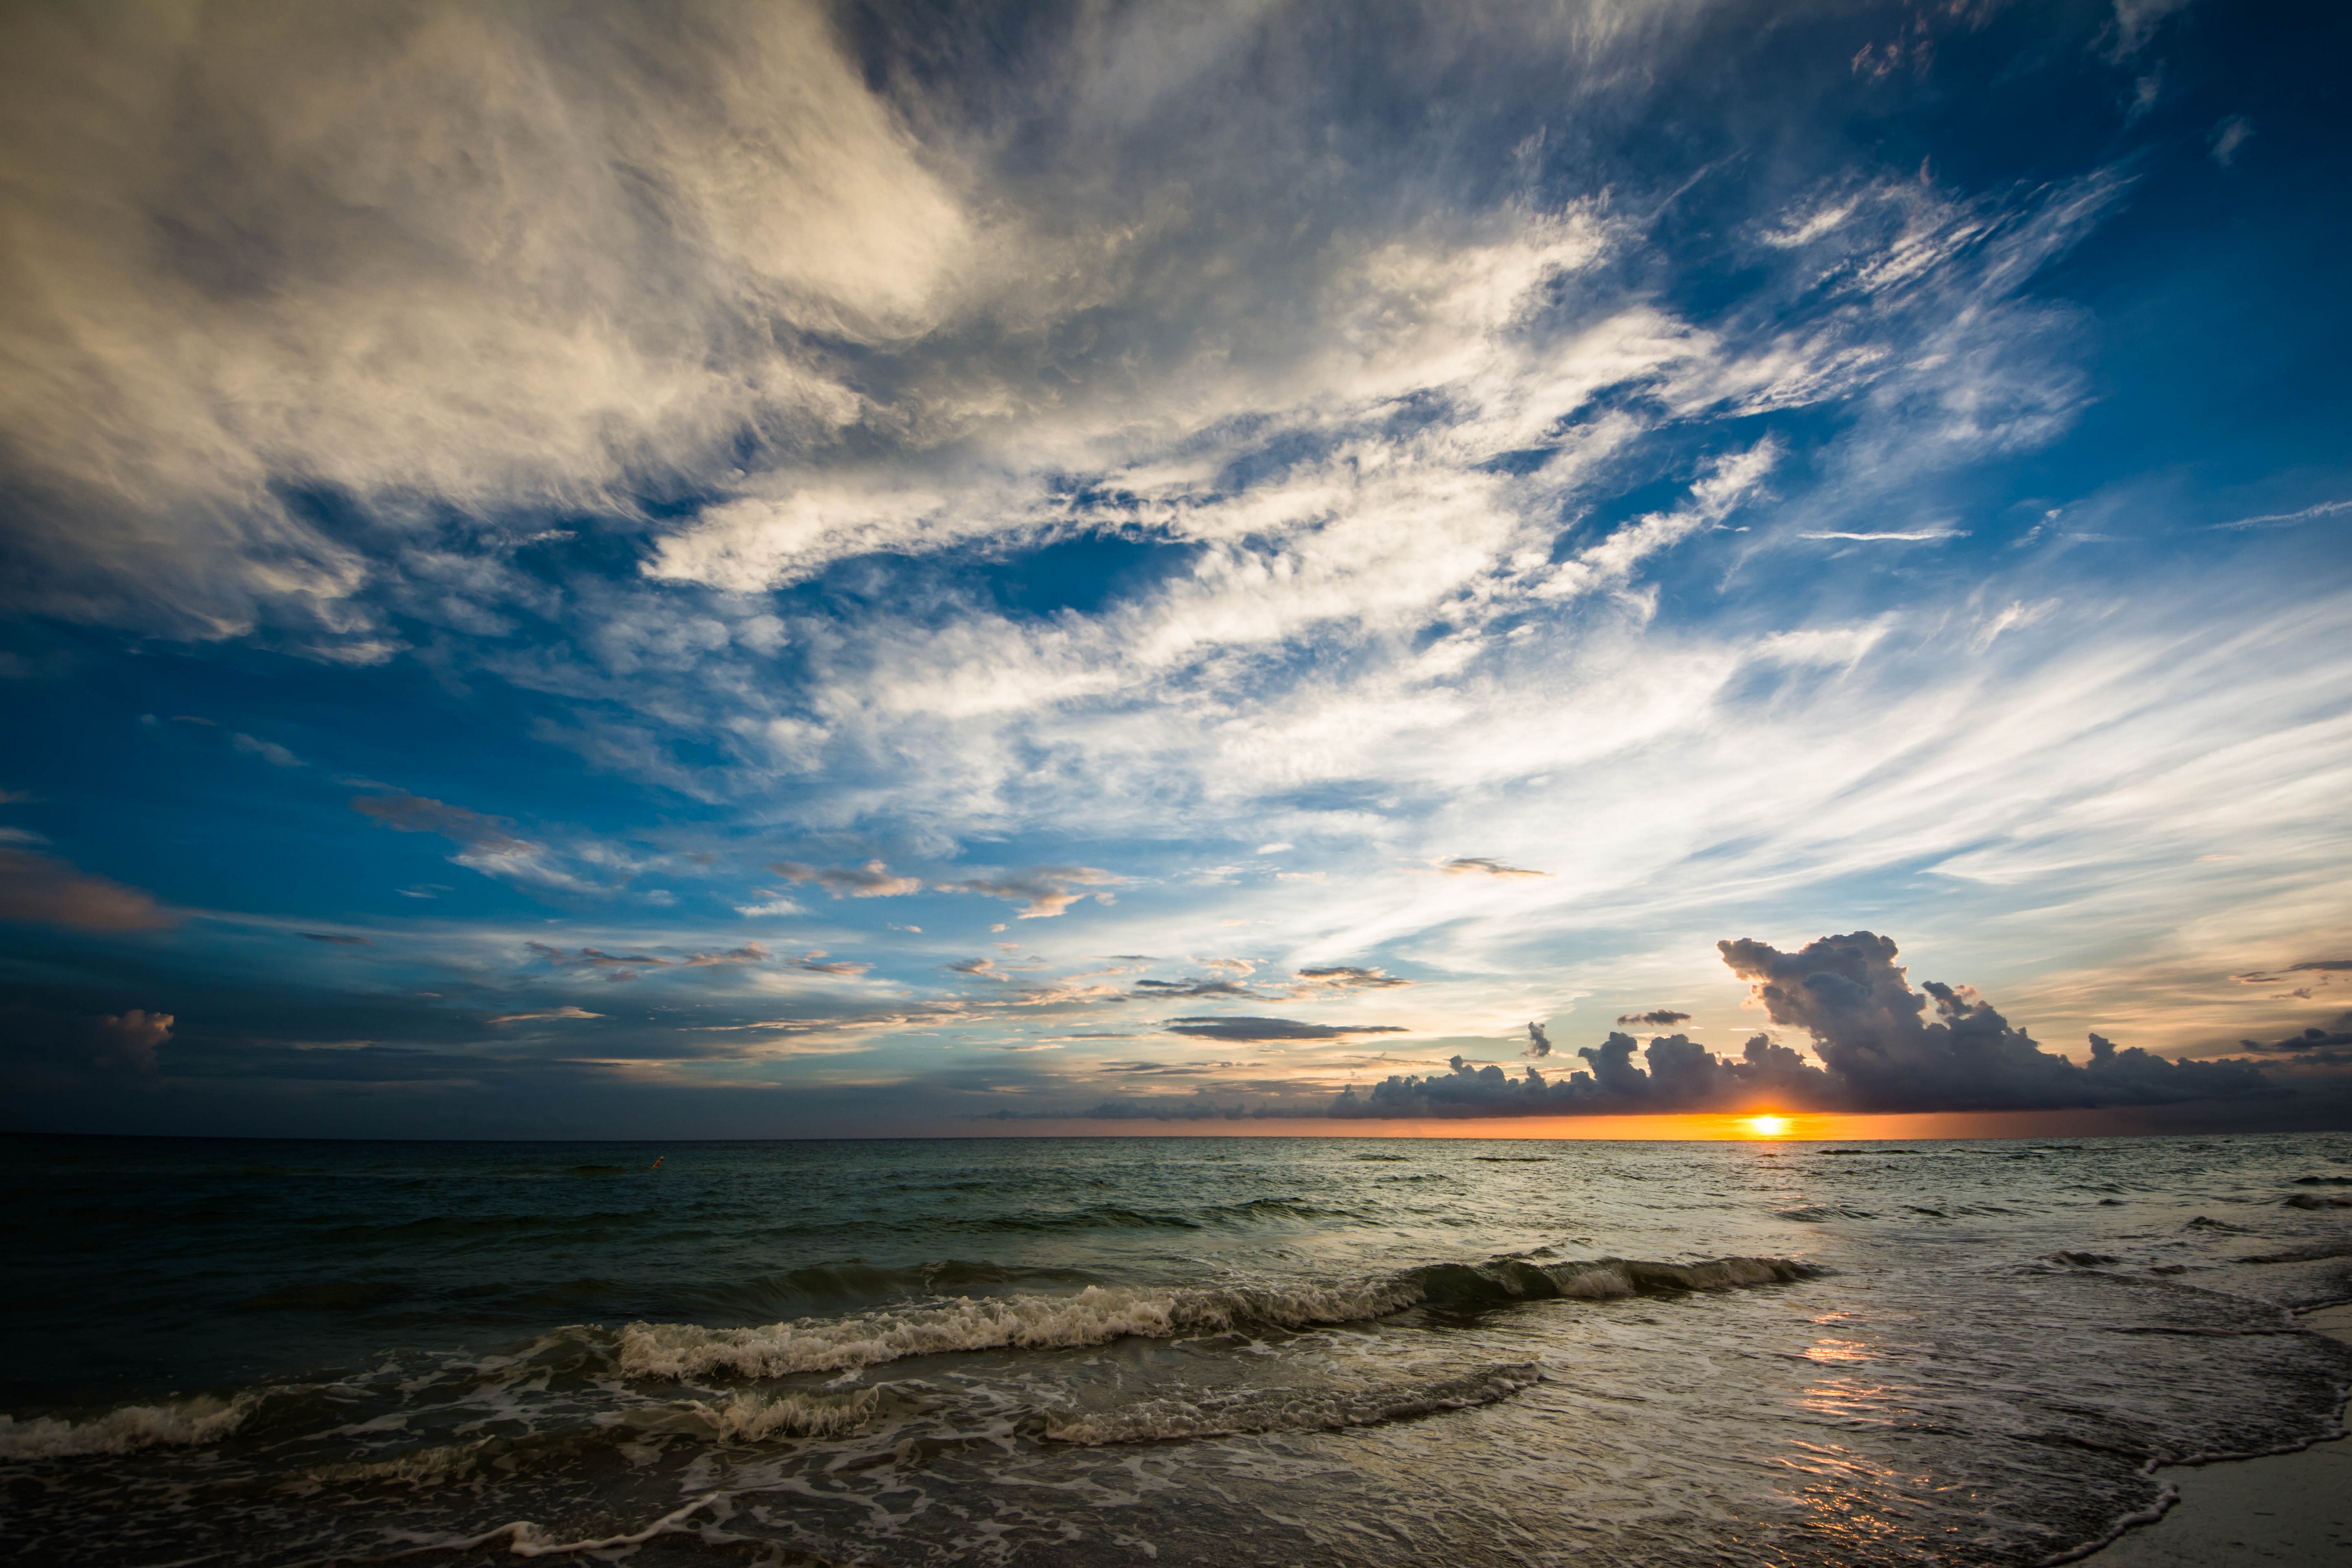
(1185, 1350)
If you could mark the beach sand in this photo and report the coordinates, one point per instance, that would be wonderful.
(2284, 1509)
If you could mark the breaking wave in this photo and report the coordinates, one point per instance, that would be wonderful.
(1098, 1314)
(186, 1423)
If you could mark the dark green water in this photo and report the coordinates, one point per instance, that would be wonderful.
(1188, 1350)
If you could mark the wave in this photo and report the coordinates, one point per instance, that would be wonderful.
(1321, 1410)
(748, 1417)
(186, 1423)
(1100, 1314)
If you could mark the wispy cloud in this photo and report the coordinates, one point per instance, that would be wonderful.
(2288, 519)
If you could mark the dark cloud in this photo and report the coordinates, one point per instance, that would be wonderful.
(2336, 1034)
(1682, 1076)
(2261, 978)
(1236, 1027)
(1043, 892)
(1480, 865)
(1538, 1042)
(48, 891)
(1657, 1016)
(872, 880)
(63, 1047)
(1870, 1031)
(330, 936)
(1878, 1052)
(1194, 987)
(1352, 977)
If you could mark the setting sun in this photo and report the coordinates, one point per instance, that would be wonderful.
(1768, 1127)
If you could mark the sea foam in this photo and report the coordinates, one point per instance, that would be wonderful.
(1097, 1314)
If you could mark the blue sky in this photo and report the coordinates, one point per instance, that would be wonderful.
(797, 571)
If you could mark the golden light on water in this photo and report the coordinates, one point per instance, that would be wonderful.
(1768, 1127)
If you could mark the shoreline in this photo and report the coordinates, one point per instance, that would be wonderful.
(2287, 1507)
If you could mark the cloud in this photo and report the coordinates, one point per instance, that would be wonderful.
(872, 880)
(749, 953)
(2334, 1035)
(549, 1014)
(1195, 987)
(1479, 866)
(2227, 137)
(342, 941)
(268, 751)
(417, 814)
(1682, 1076)
(816, 963)
(2317, 966)
(2287, 519)
(1352, 977)
(1538, 1041)
(43, 889)
(1241, 1029)
(977, 968)
(130, 1039)
(1915, 536)
(1042, 891)
(264, 266)
(769, 907)
(1869, 1027)
(1659, 1017)
(1877, 1054)
(484, 844)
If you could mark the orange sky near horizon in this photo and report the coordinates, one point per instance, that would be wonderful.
(1710, 1127)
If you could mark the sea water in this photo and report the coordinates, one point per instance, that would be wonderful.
(1178, 1350)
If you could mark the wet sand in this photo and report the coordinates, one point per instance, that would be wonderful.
(2284, 1509)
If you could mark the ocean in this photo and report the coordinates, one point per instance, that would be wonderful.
(1173, 1350)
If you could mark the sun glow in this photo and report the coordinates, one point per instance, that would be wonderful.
(1768, 1127)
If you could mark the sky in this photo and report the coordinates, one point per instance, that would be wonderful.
(772, 570)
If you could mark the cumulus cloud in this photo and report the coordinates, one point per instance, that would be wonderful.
(1682, 1076)
(43, 889)
(1872, 1032)
(1043, 892)
(1660, 1018)
(872, 880)
(1235, 1027)
(1878, 1052)
(1538, 1041)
